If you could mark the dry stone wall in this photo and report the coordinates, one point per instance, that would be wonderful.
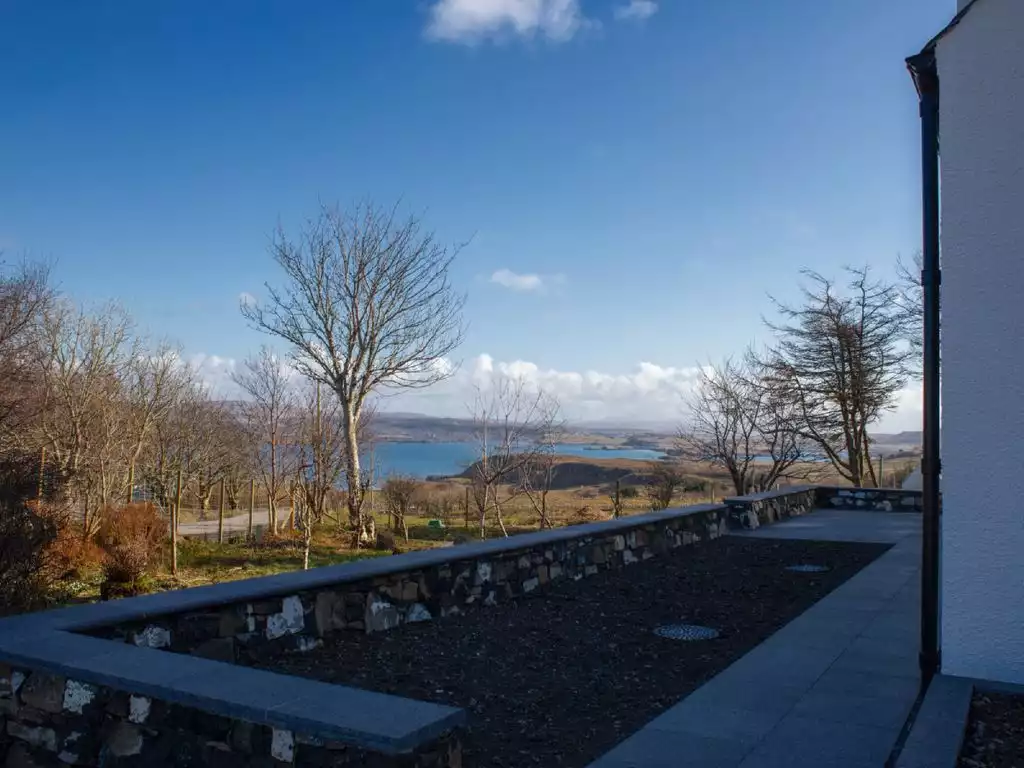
(52, 720)
(873, 499)
(242, 631)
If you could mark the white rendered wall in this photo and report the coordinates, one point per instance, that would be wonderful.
(981, 76)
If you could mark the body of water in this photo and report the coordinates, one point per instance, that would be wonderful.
(425, 459)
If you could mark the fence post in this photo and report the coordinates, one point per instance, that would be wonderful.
(467, 509)
(42, 471)
(175, 513)
(252, 502)
(131, 483)
(220, 514)
(618, 499)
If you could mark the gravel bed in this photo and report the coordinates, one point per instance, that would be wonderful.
(995, 732)
(558, 678)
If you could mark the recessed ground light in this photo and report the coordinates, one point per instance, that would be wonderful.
(686, 632)
(808, 568)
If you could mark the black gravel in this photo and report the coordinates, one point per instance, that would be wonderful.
(559, 678)
(995, 732)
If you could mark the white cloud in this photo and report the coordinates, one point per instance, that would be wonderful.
(636, 10)
(470, 21)
(517, 282)
(648, 393)
(215, 372)
(245, 298)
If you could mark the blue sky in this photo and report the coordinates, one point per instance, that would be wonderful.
(636, 176)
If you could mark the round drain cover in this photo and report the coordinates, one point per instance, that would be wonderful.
(686, 632)
(808, 568)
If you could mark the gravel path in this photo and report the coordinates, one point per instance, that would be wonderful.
(557, 679)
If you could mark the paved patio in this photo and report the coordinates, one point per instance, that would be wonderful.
(831, 689)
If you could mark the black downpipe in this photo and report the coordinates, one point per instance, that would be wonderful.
(926, 78)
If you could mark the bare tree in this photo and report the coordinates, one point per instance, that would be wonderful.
(322, 448)
(839, 361)
(83, 361)
(539, 463)
(664, 478)
(508, 418)
(25, 295)
(155, 382)
(268, 412)
(398, 492)
(737, 422)
(366, 304)
(911, 303)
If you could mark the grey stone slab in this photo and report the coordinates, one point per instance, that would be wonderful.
(654, 748)
(762, 695)
(375, 720)
(718, 722)
(823, 630)
(861, 660)
(779, 655)
(937, 733)
(871, 684)
(145, 671)
(843, 525)
(54, 651)
(804, 741)
(893, 627)
(884, 649)
(863, 709)
(363, 718)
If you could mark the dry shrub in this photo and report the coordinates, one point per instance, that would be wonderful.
(24, 537)
(25, 534)
(68, 556)
(585, 514)
(132, 538)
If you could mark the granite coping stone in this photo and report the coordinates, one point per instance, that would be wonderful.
(376, 721)
(766, 495)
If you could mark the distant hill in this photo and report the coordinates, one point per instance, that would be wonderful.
(571, 472)
(898, 438)
(416, 427)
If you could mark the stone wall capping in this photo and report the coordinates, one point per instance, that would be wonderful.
(376, 721)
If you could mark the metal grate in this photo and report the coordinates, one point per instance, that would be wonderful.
(686, 632)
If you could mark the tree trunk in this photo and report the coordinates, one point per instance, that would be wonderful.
(363, 528)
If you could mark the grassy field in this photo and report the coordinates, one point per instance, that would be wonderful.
(203, 562)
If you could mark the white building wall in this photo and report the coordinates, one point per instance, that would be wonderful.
(981, 76)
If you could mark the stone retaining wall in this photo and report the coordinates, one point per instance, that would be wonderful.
(52, 720)
(875, 499)
(755, 510)
(239, 632)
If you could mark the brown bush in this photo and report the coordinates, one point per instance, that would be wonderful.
(132, 539)
(24, 536)
(68, 555)
(26, 533)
